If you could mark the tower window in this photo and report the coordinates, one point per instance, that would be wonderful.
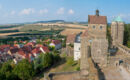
(94, 27)
(100, 27)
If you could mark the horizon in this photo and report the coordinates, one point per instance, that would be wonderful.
(70, 11)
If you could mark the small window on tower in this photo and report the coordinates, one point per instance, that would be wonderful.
(93, 27)
(100, 27)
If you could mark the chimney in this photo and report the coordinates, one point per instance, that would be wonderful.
(97, 12)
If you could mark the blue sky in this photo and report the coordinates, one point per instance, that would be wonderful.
(18, 11)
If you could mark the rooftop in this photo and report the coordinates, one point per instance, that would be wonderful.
(118, 19)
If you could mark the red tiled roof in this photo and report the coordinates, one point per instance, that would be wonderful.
(71, 38)
(4, 46)
(30, 43)
(45, 49)
(14, 50)
(39, 45)
(36, 50)
(93, 19)
(56, 42)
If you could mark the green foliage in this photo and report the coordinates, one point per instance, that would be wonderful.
(45, 61)
(11, 40)
(51, 48)
(71, 45)
(127, 35)
(8, 31)
(70, 61)
(109, 35)
(77, 68)
(128, 44)
(48, 60)
(6, 72)
(24, 70)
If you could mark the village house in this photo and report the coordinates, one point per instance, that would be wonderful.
(56, 44)
(41, 49)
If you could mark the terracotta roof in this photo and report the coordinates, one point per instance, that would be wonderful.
(56, 42)
(85, 33)
(93, 19)
(4, 46)
(39, 45)
(14, 50)
(71, 38)
(45, 49)
(36, 50)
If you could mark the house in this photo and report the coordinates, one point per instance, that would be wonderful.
(56, 44)
(36, 51)
(70, 39)
(31, 43)
(77, 47)
(4, 49)
(13, 50)
(39, 50)
(26, 55)
(44, 49)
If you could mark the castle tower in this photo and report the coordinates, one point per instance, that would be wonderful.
(117, 31)
(97, 25)
(99, 46)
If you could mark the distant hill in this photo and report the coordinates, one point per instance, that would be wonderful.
(51, 21)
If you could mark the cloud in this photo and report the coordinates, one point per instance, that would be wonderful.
(71, 11)
(44, 11)
(61, 11)
(13, 12)
(27, 11)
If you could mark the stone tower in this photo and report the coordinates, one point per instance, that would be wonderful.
(117, 31)
(97, 25)
(99, 46)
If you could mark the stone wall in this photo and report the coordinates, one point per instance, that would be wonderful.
(97, 30)
(75, 75)
(124, 49)
(99, 50)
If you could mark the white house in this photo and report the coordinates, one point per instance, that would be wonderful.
(77, 47)
(56, 44)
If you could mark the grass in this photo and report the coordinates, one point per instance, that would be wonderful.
(68, 65)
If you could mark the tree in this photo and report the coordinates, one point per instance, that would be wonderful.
(127, 35)
(56, 57)
(24, 70)
(48, 60)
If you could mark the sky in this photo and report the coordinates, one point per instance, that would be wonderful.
(19, 11)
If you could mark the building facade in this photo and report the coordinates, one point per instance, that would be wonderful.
(94, 43)
(117, 31)
(77, 47)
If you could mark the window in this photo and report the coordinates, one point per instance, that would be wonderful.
(100, 27)
(94, 27)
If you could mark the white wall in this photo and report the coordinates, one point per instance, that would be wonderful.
(77, 48)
